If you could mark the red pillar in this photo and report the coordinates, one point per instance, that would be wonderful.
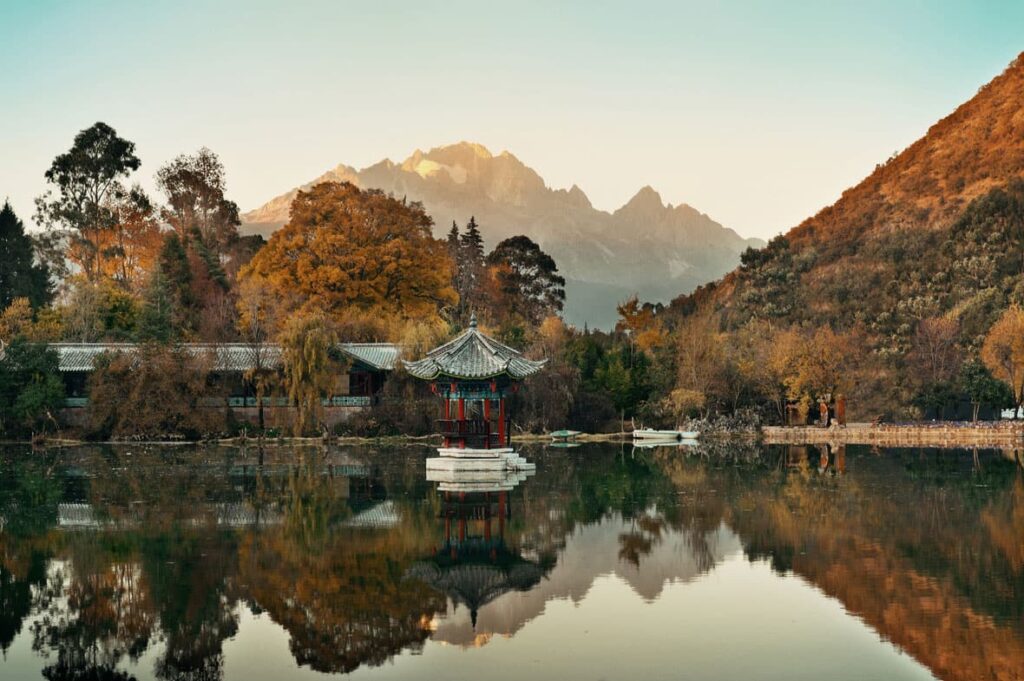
(447, 417)
(462, 530)
(501, 421)
(462, 417)
(487, 420)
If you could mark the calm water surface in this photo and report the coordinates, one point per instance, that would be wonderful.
(608, 563)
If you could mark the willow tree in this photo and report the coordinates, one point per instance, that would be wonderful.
(345, 249)
(309, 370)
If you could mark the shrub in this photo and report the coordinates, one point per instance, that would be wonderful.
(153, 393)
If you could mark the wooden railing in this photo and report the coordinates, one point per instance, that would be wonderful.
(474, 432)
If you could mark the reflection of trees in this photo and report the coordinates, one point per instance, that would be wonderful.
(16, 597)
(91, 620)
(645, 532)
(29, 494)
(346, 604)
(924, 547)
(339, 593)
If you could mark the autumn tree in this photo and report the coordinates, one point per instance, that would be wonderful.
(700, 362)
(98, 310)
(823, 365)
(1003, 352)
(258, 323)
(89, 180)
(935, 355)
(131, 245)
(155, 392)
(641, 323)
(525, 281)
(22, 275)
(196, 206)
(346, 249)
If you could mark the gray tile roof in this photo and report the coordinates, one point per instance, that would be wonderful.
(226, 356)
(474, 356)
(382, 356)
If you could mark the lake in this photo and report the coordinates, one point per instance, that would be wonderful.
(733, 561)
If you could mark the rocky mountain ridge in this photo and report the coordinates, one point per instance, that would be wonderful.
(646, 247)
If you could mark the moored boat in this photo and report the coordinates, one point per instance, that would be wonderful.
(652, 434)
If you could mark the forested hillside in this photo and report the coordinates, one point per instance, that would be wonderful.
(932, 239)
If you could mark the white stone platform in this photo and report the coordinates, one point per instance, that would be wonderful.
(457, 460)
(477, 481)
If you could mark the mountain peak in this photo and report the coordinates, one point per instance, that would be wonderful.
(647, 199)
(463, 150)
(646, 247)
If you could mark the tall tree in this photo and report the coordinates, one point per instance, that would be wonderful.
(473, 243)
(132, 244)
(88, 177)
(257, 324)
(453, 242)
(526, 281)
(21, 274)
(196, 207)
(346, 249)
(168, 306)
(471, 271)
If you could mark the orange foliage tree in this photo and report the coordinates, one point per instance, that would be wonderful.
(641, 322)
(1003, 351)
(349, 249)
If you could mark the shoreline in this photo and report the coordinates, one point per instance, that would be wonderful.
(995, 434)
(990, 434)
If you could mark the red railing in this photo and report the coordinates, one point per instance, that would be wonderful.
(473, 432)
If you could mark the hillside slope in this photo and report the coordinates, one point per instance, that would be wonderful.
(936, 230)
(645, 247)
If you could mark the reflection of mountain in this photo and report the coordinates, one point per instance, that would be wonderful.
(929, 567)
(591, 551)
(644, 247)
(925, 548)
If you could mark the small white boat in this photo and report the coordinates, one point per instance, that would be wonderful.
(663, 435)
(564, 434)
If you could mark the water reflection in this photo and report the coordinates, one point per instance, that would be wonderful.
(137, 562)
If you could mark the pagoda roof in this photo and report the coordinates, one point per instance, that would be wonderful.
(474, 356)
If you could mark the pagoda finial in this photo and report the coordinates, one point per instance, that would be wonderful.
(472, 320)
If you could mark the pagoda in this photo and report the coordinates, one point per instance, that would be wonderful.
(474, 565)
(474, 375)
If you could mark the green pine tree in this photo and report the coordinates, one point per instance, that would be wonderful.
(20, 275)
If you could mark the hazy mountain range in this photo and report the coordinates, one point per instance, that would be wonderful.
(645, 247)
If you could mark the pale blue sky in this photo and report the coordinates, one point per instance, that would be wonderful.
(757, 113)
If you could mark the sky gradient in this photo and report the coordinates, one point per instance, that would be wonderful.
(757, 113)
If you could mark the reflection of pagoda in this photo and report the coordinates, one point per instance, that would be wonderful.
(474, 374)
(474, 566)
